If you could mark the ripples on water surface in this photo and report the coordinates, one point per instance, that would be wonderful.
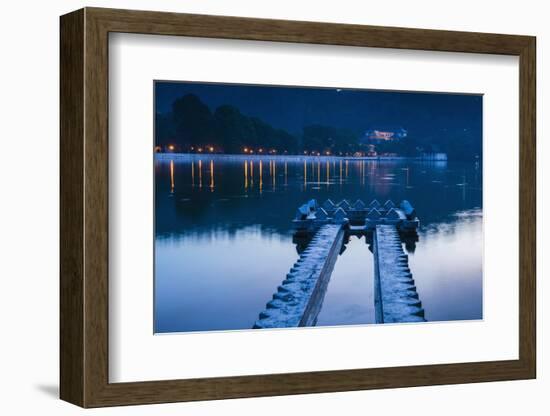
(224, 239)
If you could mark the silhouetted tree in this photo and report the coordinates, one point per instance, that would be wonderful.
(233, 129)
(323, 138)
(193, 121)
(164, 129)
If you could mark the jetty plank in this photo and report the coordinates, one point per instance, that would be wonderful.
(299, 298)
(396, 298)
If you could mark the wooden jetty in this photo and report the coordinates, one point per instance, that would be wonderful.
(309, 216)
(395, 296)
(298, 300)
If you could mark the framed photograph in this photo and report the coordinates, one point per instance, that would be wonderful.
(260, 207)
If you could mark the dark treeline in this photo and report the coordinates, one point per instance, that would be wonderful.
(192, 125)
(457, 143)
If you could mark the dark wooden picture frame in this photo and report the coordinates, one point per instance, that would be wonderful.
(84, 207)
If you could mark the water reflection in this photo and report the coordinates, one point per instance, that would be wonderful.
(350, 295)
(261, 181)
(200, 173)
(211, 175)
(235, 233)
(274, 174)
(450, 289)
(245, 175)
(172, 184)
(200, 286)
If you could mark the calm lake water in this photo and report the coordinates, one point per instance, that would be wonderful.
(223, 238)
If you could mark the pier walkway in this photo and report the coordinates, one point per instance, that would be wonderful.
(396, 299)
(298, 299)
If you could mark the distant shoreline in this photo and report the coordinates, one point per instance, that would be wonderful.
(196, 156)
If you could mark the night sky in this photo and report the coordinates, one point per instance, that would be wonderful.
(292, 108)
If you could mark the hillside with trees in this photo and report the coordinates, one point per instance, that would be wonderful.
(192, 126)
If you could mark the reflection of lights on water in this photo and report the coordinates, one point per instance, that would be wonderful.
(274, 175)
(172, 176)
(261, 180)
(319, 171)
(211, 175)
(251, 173)
(372, 168)
(246, 173)
(377, 174)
